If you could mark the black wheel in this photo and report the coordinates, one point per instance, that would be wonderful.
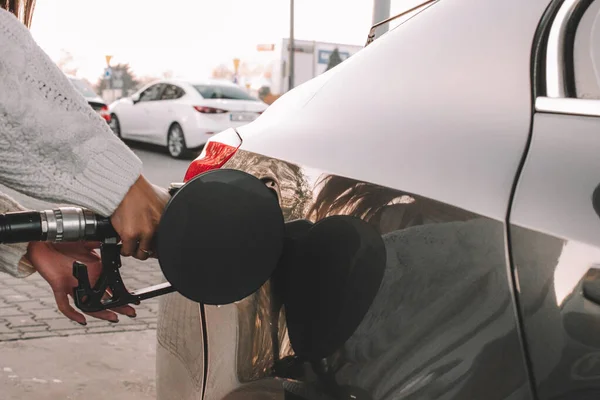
(115, 125)
(176, 142)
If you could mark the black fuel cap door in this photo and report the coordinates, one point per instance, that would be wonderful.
(220, 237)
(328, 279)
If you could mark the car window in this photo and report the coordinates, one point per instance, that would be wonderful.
(152, 92)
(172, 92)
(84, 88)
(223, 92)
(586, 54)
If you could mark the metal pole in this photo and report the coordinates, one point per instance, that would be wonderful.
(291, 63)
(381, 12)
(112, 89)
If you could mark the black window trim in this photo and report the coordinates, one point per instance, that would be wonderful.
(559, 87)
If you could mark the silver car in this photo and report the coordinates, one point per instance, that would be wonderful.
(466, 137)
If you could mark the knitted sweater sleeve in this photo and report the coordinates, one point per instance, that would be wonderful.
(53, 145)
(11, 255)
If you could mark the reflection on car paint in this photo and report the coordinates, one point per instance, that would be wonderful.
(182, 349)
(563, 327)
(442, 324)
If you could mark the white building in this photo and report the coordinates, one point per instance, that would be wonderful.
(310, 60)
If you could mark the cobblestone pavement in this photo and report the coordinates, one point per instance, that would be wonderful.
(28, 309)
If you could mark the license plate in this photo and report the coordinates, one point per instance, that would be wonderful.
(242, 117)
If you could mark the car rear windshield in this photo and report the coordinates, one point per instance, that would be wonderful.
(223, 92)
(84, 88)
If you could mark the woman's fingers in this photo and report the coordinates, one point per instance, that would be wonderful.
(144, 250)
(105, 315)
(62, 301)
(125, 310)
(129, 246)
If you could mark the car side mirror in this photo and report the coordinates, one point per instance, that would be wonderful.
(135, 98)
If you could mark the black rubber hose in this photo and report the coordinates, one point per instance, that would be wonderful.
(21, 227)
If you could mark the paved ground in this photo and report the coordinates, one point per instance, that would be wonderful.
(115, 366)
(43, 355)
(28, 309)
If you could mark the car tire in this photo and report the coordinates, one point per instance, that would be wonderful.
(115, 125)
(176, 142)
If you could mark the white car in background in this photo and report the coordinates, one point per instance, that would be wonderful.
(183, 115)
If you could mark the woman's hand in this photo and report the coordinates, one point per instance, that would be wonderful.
(137, 218)
(54, 262)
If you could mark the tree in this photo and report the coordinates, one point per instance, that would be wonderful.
(334, 59)
(130, 82)
(221, 71)
(145, 80)
(66, 63)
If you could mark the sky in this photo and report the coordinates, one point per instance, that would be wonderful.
(189, 37)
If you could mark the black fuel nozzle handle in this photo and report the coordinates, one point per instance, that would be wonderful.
(75, 224)
(109, 291)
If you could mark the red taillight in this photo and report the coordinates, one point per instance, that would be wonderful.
(105, 114)
(216, 153)
(209, 110)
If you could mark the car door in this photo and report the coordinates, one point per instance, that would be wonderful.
(555, 220)
(140, 117)
(163, 112)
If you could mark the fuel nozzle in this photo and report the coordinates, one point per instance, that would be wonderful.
(62, 224)
(72, 224)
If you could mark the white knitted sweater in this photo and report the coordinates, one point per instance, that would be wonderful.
(53, 145)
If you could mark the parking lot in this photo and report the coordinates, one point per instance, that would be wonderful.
(46, 356)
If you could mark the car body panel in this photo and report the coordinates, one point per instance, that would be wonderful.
(129, 116)
(181, 349)
(458, 125)
(450, 144)
(555, 237)
(423, 337)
